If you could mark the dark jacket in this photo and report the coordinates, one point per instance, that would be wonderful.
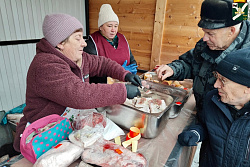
(225, 141)
(198, 63)
(91, 49)
(54, 82)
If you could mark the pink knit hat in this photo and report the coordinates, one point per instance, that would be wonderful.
(58, 27)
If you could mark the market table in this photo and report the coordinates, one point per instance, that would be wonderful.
(164, 150)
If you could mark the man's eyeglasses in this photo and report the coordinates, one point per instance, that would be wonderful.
(218, 76)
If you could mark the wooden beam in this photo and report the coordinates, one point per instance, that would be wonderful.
(158, 32)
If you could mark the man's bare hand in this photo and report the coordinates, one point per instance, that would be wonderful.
(164, 71)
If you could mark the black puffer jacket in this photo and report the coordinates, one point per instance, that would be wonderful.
(225, 141)
(198, 63)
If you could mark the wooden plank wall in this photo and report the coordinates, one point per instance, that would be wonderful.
(138, 19)
(181, 31)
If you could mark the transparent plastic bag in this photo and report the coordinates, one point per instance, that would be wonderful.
(62, 155)
(89, 118)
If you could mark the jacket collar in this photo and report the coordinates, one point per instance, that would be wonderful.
(238, 42)
(223, 107)
(43, 46)
(244, 110)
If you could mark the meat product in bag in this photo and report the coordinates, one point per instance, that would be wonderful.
(108, 154)
(88, 118)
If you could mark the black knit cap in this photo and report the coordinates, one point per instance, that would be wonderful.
(236, 66)
(216, 14)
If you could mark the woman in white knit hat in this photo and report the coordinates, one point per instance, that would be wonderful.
(109, 43)
(58, 76)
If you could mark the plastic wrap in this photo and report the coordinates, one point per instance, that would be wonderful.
(89, 118)
(90, 126)
(61, 155)
(108, 154)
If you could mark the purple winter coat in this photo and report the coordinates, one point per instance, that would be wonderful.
(54, 82)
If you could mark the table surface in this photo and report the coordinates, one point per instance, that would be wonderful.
(164, 150)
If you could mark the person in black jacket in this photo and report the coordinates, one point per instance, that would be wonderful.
(224, 122)
(222, 35)
(108, 42)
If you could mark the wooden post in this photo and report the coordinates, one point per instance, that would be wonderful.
(158, 32)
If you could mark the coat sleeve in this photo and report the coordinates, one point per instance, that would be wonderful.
(57, 82)
(102, 66)
(201, 125)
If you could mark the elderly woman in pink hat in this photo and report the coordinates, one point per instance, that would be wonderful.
(58, 76)
(108, 42)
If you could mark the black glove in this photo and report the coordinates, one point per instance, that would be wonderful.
(188, 138)
(132, 91)
(134, 79)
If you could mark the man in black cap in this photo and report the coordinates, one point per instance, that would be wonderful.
(222, 35)
(224, 126)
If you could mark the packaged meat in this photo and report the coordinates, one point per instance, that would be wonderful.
(108, 154)
(83, 164)
(87, 135)
(62, 155)
(90, 119)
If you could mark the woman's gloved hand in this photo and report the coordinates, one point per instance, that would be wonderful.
(132, 67)
(134, 79)
(188, 138)
(132, 91)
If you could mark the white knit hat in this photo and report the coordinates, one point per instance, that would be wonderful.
(106, 14)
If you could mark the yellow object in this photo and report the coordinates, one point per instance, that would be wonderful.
(132, 138)
(134, 145)
(134, 131)
(128, 142)
(242, 1)
(118, 140)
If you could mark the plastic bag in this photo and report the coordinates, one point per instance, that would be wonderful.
(89, 118)
(87, 135)
(62, 155)
(109, 154)
(111, 130)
